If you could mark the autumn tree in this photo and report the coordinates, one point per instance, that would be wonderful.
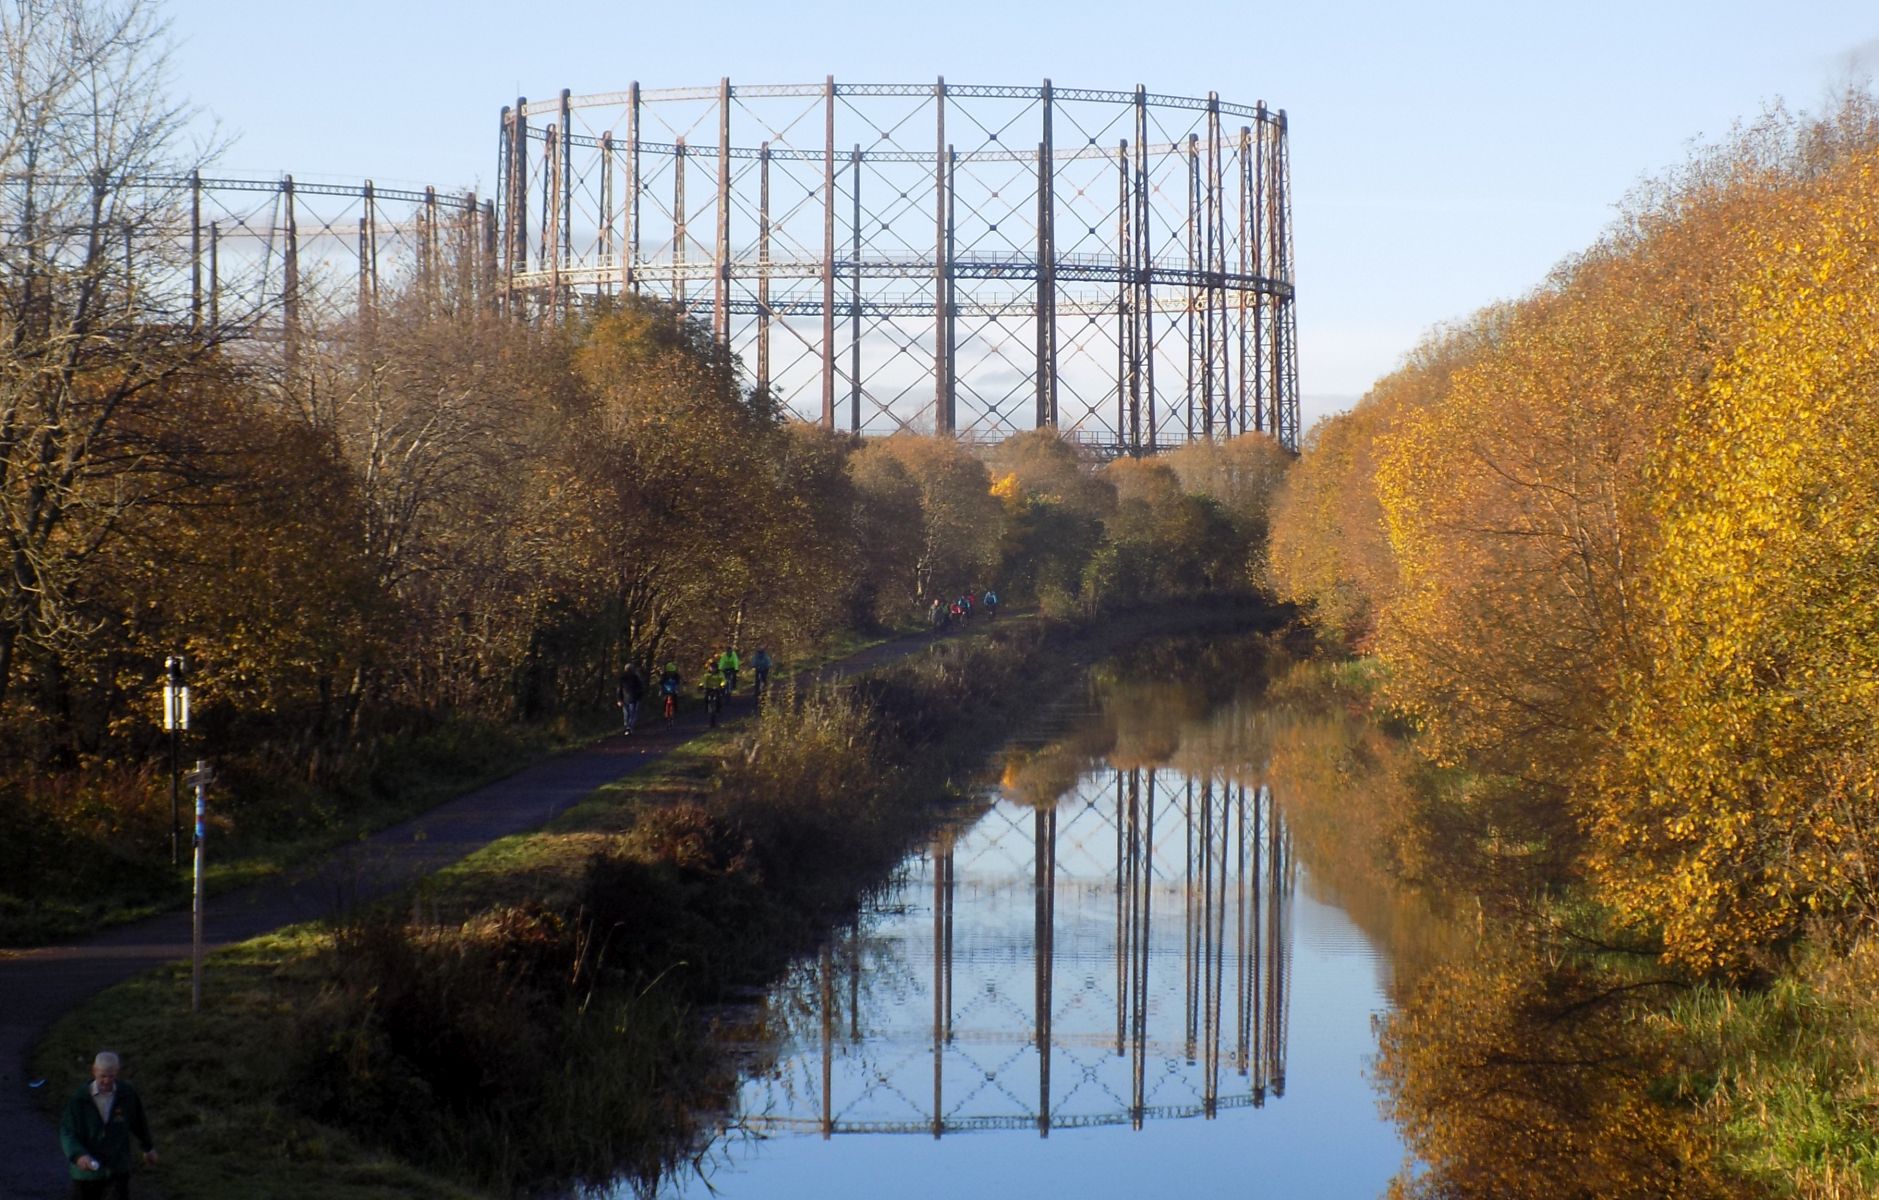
(1241, 475)
(955, 544)
(1055, 503)
(92, 345)
(1747, 798)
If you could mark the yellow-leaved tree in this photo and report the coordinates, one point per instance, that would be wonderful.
(1747, 795)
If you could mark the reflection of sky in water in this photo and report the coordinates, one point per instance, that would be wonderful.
(1322, 1137)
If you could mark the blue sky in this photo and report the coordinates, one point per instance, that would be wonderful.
(1445, 154)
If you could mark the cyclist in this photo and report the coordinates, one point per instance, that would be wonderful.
(631, 691)
(760, 665)
(713, 687)
(728, 663)
(669, 688)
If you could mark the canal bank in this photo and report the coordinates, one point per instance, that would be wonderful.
(262, 1025)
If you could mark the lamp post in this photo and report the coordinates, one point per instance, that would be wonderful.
(175, 720)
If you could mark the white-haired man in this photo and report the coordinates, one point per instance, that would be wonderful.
(99, 1122)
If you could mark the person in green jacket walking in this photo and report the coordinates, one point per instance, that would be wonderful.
(96, 1130)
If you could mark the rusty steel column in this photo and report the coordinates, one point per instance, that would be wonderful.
(825, 972)
(215, 279)
(763, 268)
(1288, 327)
(290, 272)
(1245, 234)
(939, 988)
(678, 227)
(828, 254)
(721, 275)
(606, 210)
(368, 249)
(854, 298)
(489, 247)
(564, 231)
(1046, 269)
(630, 262)
(942, 267)
(1145, 271)
(1138, 1032)
(515, 233)
(505, 184)
(1219, 366)
(1261, 299)
(551, 220)
(195, 251)
(1128, 373)
(428, 252)
(1194, 270)
(951, 341)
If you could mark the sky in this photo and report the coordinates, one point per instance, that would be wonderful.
(1445, 154)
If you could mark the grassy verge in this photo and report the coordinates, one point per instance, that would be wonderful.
(260, 823)
(450, 1051)
(1788, 1074)
(454, 1044)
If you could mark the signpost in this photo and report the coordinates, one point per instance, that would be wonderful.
(199, 779)
(175, 720)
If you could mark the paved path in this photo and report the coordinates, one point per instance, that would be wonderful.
(39, 986)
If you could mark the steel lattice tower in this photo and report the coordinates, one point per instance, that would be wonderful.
(967, 259)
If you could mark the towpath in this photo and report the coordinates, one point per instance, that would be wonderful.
(39, 986)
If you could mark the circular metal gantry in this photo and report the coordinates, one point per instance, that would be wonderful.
(973, 260)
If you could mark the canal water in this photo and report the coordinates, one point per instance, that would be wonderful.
(1115, 974)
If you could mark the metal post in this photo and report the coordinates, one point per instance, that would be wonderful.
(1046, 271)
(427, 248)
(489, 247)
(633, 188)
(1260, 296)
(516, 214)
(195, 256)
(763, 268)
(606, 208)
(1145, 268)
(564, 184)
(828, 254)
(201, 779)
(825, 972)
(1214, 340)
(949, 329)
(290, 273)
(721, 275)
(939, 990)
(215, 279)
(368, 271)
(854, 297)
(678, 225)
(551, 219)
(1244, 230)
(1194, 269)
(942, 412)
(175, 721)
(1288, 322)
(371, 231)
(1128, 378)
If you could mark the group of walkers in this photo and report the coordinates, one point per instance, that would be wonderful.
(716, 684)
(941, 613)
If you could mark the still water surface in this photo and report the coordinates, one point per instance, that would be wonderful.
(1113, 976)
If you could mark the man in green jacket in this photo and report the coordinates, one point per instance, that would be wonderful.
(96, 1132)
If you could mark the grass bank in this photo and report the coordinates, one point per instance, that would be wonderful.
(1546, 1018)
(446, 1047)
